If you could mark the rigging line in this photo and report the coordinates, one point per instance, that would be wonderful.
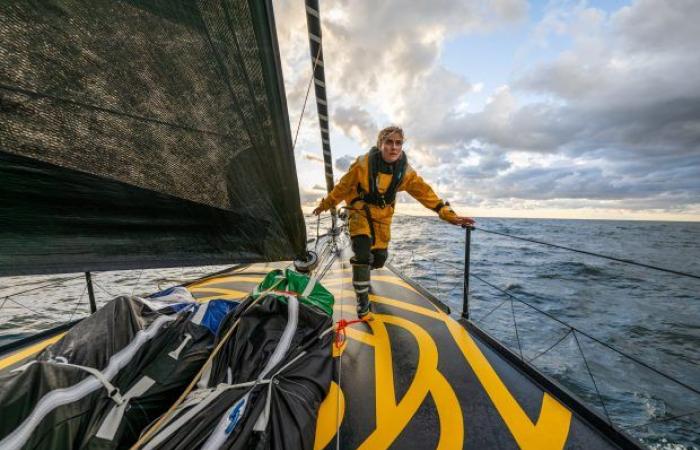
(80, 299)
(559, 341)
(308, 89)
(666, 419)
(28, 308)
(590, 374)
(340, 373)
(593, 338)
(43, 286)
(328, 265)
(323, 254)
(311, 215)
(114, 112)
(517, 335)
(481, 320)
(444, 263)
(318, 226)
(585, 252)
(139, 279)
(103, 289)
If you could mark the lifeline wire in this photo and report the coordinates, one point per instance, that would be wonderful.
(80, 299)
(665, 419)
(560, 340)
(43, 286)
(598, 255)
(583, 333)
(590, 374)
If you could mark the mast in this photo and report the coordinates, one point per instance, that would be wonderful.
(313, 23)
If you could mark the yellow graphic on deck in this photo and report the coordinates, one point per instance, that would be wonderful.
(549, 432)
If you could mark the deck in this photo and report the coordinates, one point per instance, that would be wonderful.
(413, 377)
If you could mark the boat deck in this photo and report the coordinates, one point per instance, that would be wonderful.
(414, 377)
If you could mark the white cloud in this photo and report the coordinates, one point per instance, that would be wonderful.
(614, 118)
(343, 163)
(312, 157)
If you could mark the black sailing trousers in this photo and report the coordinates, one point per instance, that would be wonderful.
(364, 259)
(361, 247)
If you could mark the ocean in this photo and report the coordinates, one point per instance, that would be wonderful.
(649, 315)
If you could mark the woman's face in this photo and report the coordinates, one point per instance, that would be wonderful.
(392, 147)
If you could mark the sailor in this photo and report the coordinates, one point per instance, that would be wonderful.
(369, 190)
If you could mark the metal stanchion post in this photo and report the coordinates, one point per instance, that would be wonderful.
(91, 293)
(467, 251)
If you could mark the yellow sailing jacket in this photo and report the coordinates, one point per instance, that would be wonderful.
(347, 190)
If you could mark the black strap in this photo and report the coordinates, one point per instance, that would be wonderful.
(374, 197)
(440, 205)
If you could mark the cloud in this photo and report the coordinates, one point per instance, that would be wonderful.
(384, 57)
(309, 196)
(620, 109)
(312, 157)
(356, 122)
(343, 163)
(611, 120)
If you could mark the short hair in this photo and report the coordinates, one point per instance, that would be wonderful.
(384, 133)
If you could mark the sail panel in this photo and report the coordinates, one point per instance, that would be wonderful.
(119, 113)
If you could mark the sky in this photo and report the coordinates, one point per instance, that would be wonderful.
(571, 109)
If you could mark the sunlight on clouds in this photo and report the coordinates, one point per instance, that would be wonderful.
(598, 119)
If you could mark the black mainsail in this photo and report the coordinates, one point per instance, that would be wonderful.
(142, 134)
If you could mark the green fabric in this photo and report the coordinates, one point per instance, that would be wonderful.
(292, 281)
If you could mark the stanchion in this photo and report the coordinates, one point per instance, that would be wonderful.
(467, 251)
(91, 293)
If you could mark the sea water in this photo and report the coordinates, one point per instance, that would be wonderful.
(649, 315)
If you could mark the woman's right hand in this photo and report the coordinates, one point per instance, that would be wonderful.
(318, 211)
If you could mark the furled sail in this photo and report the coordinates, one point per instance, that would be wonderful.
(140, 134)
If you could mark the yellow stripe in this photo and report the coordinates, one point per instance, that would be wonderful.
(29, 351)
(550, 431)
(433, 314)
(216, 290)
(393, 417)
(228, 279)
(330, 416)
(233, 296)
(552, 427)
(386, 278)
(408, 307)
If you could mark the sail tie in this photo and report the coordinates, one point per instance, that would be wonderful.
(342, 324)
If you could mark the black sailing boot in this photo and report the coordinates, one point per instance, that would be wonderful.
(360, 281)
